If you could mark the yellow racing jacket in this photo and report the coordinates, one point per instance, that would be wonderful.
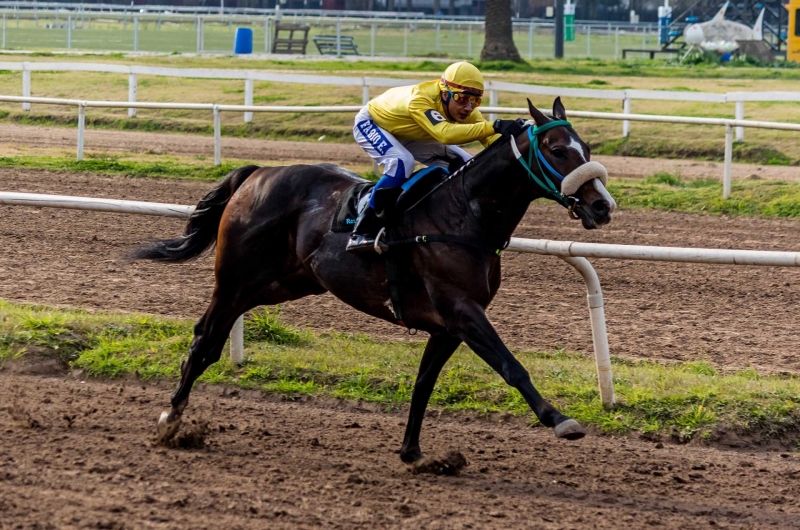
(416, 113)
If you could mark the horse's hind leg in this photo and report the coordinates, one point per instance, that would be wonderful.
(213, 328)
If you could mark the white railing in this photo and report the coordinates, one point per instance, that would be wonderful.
(218, 109)
(492, 87)
(574, 253)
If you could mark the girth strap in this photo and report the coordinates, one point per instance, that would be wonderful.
(445, 238)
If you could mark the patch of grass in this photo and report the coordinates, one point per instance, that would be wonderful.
(682, 401)
(702, 149)
(266, 326)
(665, 191)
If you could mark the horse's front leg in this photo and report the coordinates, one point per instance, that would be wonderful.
(439, 349)
(466, 319)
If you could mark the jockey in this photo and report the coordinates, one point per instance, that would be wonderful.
(423, 123)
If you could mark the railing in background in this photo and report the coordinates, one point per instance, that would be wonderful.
(158, 31)
(218, 109)
(492, 87)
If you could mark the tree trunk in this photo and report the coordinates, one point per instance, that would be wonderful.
(499, 44)
(437, 6)
(451, 9)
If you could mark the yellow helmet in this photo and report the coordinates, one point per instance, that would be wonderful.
(462, 77)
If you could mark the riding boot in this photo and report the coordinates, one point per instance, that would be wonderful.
(367, 227)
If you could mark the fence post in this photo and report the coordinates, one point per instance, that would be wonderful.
(588, 41)
(132, 88)
(626, 109)
(740, 116)
(644, 38)
(364, 91)
(69, 31)
(217, 137)
(237, 341)
(199, 34)
(372, 40)
(267, 35)
(727, 176)
(469, 39)
(492, 101)
(594, 297)
(438, 42)
(136, 33)
(405, 41)
(26, 85)
(4, 30)
(338, 37)
(616, 42)
(248, 98)
(530, 40)
(81, 128)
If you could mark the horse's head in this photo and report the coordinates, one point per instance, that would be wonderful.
(558, 162)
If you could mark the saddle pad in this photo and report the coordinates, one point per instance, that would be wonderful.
(353, 201)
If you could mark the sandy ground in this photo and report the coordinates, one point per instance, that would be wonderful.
(77, 454)
(731, 316)
(351, 155)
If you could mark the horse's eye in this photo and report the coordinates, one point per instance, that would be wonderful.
(559, 152)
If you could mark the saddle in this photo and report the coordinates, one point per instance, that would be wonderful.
(389, 202)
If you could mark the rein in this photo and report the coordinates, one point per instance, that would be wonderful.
(534, 153)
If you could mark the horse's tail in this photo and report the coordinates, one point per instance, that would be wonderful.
(201, 229)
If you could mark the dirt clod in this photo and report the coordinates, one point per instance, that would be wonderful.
(450, 464)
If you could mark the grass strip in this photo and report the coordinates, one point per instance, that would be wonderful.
(684, 401)
(667, 191)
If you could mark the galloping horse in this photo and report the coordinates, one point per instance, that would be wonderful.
(272, 229)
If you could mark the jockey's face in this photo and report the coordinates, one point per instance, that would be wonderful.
(459, 113)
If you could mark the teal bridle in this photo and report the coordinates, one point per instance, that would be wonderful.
(548, 172)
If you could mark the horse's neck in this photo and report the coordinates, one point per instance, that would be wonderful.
(498, 194)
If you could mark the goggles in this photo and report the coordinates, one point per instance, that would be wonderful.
(463, 99)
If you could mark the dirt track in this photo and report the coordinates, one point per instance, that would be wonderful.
(731, 316)
(78, 455)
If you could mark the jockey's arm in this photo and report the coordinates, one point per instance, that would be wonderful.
(423, 110)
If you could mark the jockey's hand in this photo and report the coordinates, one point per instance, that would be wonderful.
(509, 127)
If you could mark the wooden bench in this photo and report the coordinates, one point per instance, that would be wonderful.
(651, 52)
(326, 44)
(290, 43)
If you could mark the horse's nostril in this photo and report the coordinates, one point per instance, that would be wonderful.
(599, 207)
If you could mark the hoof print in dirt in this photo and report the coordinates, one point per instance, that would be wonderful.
(449, 465)
(191, 436)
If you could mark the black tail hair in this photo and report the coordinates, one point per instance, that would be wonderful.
(201, 229)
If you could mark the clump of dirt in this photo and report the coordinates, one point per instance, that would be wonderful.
(191, 436)
(450, 464)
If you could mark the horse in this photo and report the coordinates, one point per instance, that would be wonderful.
(272, 230)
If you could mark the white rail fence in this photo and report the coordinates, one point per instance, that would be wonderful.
(574, 253)
(218, 109)
(492, 87)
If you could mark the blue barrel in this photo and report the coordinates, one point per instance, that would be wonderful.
(243, 41)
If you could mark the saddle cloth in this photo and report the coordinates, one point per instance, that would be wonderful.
(355, 199)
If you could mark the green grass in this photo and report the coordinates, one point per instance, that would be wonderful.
(682, 401)
(647, 147)
(665, 191)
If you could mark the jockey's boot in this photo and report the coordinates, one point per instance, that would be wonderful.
(367, 227)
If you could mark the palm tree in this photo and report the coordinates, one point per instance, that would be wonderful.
(499, 44)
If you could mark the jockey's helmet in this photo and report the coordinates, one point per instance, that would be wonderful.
(462, 77)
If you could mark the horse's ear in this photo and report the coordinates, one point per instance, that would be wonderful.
(538, 118)
(559, 112)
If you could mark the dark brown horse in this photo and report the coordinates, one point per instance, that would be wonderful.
(272, 229)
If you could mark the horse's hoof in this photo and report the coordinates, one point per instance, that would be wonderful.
(570, 430)
(411, 457)
(166, 429)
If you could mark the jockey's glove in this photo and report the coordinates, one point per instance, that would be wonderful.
(509, 127)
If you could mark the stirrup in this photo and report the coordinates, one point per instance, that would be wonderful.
(379, 247)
